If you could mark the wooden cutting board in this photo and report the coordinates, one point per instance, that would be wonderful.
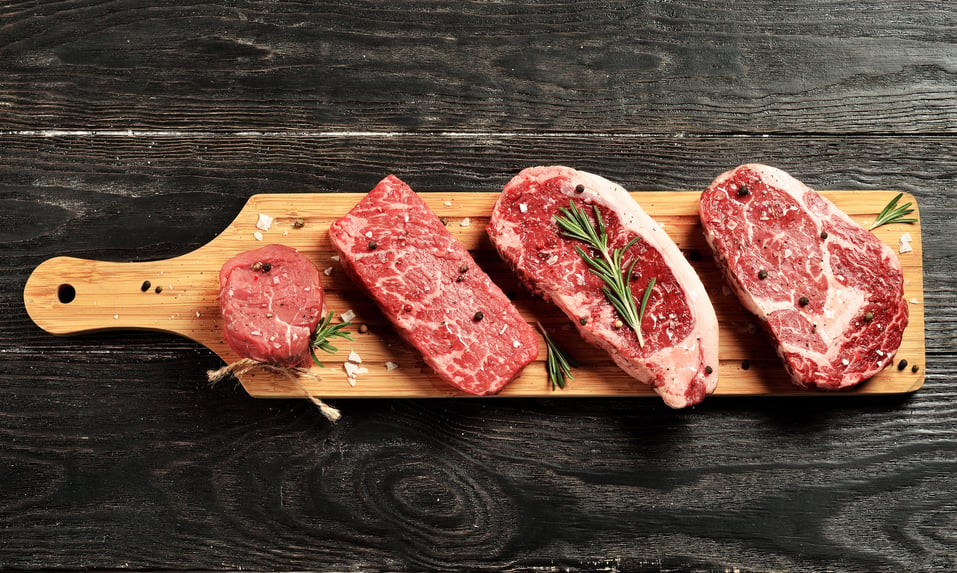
(67, 296)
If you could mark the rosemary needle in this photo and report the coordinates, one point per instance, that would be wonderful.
(894, 214)
(324, 331)
(575, 224)
(558, 363)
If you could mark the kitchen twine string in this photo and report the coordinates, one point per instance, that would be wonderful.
(293, 373)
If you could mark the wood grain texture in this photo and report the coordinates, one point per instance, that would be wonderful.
(594, 67)
(134, 132)
(69, 296)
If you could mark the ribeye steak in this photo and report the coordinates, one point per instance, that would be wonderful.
(271, 300)
(830, 293)
(425, 282)
(679, 358)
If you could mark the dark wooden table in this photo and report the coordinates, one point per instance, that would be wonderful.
(130, 131)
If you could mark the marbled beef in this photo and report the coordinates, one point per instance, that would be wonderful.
(425, 282)
(271, 300)
(830, 293)
(679, 358)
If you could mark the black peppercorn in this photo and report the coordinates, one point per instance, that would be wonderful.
(478, 316)
(914, 368)
(743, 191)
(583, 321)
(902, 364)
(158, 289)
(579, 188)
(708, 370)
(745, 364)
(373, 245)
(823, 234)
(146, 286)
(267, 267)
(762, 274)
(804, 301)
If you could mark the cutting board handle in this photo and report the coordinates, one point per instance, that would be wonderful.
(67, 295)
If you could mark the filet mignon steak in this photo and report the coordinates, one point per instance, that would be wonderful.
(271, 300)
(437, 298)
(679, 358)
(830, 293)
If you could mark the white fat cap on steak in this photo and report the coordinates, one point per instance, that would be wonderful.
(704, 335)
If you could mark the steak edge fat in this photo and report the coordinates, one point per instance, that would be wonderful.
(679, 358)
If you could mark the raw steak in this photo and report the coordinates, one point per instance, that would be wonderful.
(828, 291)
(679, 358)
(271, 300)
(397, 250)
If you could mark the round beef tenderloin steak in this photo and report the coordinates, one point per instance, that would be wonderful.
(679, 358)
(830, 294)
(271, 300)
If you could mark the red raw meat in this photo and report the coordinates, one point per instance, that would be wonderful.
(830, 293)
(437, 298)
(679, 358)
(271, 300)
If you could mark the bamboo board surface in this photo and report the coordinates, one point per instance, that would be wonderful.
(108, 295)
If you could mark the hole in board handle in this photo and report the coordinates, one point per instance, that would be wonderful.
(66, 293)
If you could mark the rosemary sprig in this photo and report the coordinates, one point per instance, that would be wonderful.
(324, 331)
(558, 363)
(894, 214)
(575, 224)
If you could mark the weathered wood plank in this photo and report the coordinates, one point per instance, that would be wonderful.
(576, 67)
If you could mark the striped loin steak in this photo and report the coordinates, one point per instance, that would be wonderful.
(679, 357)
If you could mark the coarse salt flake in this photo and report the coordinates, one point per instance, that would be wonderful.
(354, 357)
(447, 203)
(327, 271)
(523, 207)
(465, 222)
(904, 245)
(368, 234)
(390, 366)
(334, 258)
(914, 301)
(353, 370)
(347, 315)
(516, 343)
(116, 317)
(264, 222)
(258, 236)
